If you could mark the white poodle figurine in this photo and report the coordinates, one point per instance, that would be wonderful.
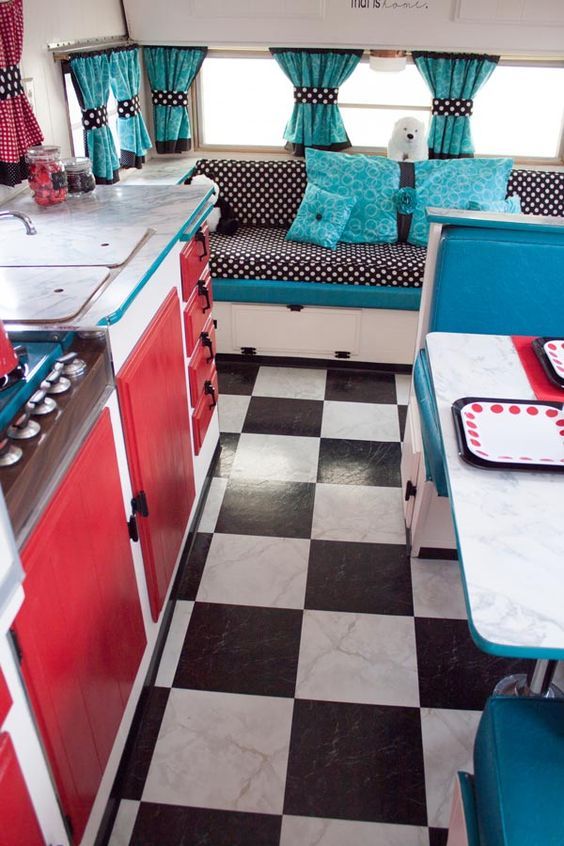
(408, 142)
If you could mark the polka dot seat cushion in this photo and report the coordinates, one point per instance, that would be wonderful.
(541, 191)
(262, 253)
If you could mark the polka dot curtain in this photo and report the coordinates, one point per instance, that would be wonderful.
(91, 77)
(18, 126)
(125, 79)
(316, 75)
(454, 79)
(171, 72)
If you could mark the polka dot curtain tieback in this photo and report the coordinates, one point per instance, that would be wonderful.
(95, 118)
(170, 98)
(452, 107)
(129, 108)
(316, 96)
(10, 82)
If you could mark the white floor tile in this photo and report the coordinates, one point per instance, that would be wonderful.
(250, 570)
(213, 505)
(290, 382)
(367, 658)
(232, 412)
(124, 823)
(280, 458)
(221, 750)
(360, 421)
(437, 589)
(174, 643)
(316, 831)
(448, 741)
(403, 383)
(358, 513)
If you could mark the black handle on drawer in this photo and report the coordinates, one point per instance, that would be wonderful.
(207, 342)
(203, 292)
(201, 238)
(210, 390)
(132, 528)
(139, 504)
(410, 490)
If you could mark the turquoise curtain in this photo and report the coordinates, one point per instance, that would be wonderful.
(454, 79)
(91, 75)
(316, 74)
(125, 78)
(171, 71)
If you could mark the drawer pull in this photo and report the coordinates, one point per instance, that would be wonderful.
(210, 391)
(203, 292)
(201, 238)
(207, 342)
(410, 490)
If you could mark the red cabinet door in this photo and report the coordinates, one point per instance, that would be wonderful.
(19, 824)
(80, 628)
(154, 407)
(197, 311)
(194, 260)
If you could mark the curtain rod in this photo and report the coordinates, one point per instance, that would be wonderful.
(63, 50)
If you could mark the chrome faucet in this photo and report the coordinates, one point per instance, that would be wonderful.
(25, 219)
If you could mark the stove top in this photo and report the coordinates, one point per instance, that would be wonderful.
(45, 415)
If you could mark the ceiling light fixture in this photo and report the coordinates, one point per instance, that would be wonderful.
(388, 60)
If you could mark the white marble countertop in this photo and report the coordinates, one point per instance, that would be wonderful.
(160, 170)
(509, 524)
(165, 209)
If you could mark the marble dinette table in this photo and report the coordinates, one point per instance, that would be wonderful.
(509, 524)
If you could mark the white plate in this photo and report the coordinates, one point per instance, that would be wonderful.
(506, 432)
(554, 351)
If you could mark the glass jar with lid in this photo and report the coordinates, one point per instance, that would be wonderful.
(80, 178)
(46, 175)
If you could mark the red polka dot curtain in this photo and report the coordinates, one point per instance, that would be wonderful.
(18, 126)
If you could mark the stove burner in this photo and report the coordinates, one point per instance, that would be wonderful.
(22, 428)
(41, 404)
(9, 453)
(72, 365)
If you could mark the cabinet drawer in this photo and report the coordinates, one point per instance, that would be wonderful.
(200, 371)
(194, 260)
(197, 311)
(204, 413)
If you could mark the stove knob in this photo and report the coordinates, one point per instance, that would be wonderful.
(54, 382)
(72, 365)
(22, 427)
(41, 404)
(9, 454)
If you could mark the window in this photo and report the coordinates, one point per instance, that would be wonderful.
(75, 117)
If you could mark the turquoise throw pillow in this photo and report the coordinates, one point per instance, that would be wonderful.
(321, 218)
(512, 205)
(453, 184)
(371, 180)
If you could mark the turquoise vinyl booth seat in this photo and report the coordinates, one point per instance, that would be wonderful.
(516, 796)
(495, 276)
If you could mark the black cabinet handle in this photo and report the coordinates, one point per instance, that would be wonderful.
(201, 239)
(410, 490)
(203, 292)
(207, 342)
(132, 528)
(139, 504)
(210, 391)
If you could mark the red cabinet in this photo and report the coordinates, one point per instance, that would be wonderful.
(204, 410)
(154, 407)
(197, 311)
(80, 628)
(19, 823)
(194, 260)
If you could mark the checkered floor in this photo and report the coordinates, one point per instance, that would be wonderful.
(316, 686)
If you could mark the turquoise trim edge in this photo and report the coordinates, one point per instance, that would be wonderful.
(186, 175)
(285, 292)
(116, 316)
(466, 784)
(493, 220)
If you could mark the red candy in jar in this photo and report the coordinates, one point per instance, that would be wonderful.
(46, 175)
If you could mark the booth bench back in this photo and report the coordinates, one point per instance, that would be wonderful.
(268, 193)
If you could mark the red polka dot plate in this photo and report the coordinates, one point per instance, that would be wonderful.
(510, 434)
(550, 353)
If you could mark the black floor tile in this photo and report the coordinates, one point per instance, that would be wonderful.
(236, 377)
(140, 746)
(438, 836)
(358, 762)
(274, 509)
(402, 414)
(189, 581)
(360, 386)
(241, 649)
(363, 578)
(229, 444)
(171, 825)
(453, 672)
(275, 416)
(351, 462)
